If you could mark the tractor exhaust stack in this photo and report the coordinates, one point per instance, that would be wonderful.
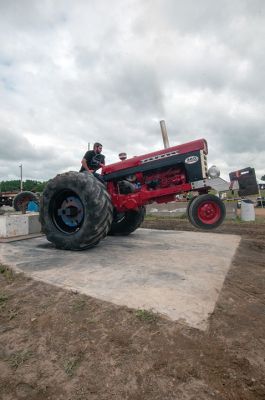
(164, 134)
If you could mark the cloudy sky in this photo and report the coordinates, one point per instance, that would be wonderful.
(73, 72)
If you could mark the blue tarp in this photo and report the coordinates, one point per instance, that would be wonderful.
(33, 206)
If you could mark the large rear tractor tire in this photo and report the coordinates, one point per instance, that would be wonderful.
(206, 211)
(127, 222)
(75, 211)
(22, 199)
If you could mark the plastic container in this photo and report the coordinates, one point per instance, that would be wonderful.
(247, 210)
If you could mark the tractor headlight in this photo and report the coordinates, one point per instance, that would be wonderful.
(213, 172)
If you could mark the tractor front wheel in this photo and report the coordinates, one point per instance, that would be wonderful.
(189, 204)
(127, 222)
(206, 211)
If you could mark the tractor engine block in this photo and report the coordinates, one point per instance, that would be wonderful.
(167, 178)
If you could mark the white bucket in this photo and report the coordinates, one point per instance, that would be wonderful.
(247, 210)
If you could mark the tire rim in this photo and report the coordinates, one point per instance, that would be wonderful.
(67, 211)
(209, 212)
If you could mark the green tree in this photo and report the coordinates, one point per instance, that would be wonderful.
(10, 186)
(28, 185)
(263, 178)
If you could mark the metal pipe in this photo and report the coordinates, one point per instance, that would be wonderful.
(164, 134)
(21, 181)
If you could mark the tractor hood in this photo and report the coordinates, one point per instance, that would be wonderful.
(195, 145)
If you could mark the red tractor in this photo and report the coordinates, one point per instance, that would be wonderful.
(77, 210)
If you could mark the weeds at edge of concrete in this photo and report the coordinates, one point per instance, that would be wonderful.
(7, 273)
(146, 315)
(79, 304)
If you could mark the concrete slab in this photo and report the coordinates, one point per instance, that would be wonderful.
(17, 224)
(34, 223)
(13, 225)
(18, 238)
(179, 274)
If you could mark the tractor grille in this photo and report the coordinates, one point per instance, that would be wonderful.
(204, 164)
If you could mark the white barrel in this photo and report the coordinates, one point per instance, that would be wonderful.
(247, 210)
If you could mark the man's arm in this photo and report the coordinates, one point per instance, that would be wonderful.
(84, 164)
(86, 160)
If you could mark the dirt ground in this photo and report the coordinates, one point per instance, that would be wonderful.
(56, 344)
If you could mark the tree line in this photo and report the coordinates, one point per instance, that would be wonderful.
(31, 185)
(28, 185)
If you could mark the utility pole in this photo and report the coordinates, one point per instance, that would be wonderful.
(21, 181)
(164, 134)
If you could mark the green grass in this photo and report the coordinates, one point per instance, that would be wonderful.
(151, 217)
(146, 315)
(3, 298)
(182, 216)
(71, 365)
(258, 220)
(7, 273)
(79, 304)
(18, 358)
(12, 314)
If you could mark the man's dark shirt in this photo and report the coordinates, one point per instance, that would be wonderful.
(93, 160)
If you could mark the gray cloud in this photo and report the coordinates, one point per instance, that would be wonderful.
(15, 147)
(73, 73)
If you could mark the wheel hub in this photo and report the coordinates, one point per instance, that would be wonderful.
(68, 212)
(209, 212)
